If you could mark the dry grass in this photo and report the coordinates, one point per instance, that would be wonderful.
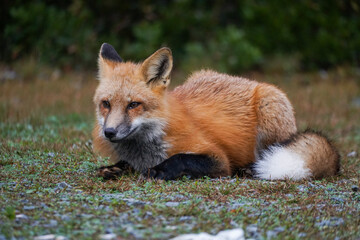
(37, 98)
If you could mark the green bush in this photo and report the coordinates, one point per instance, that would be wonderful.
(233, 52)
(230, 36)
(148, 37)
(56, 36)
(229, 51)
(323, 33)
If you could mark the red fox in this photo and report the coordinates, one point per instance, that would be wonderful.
(212, 125)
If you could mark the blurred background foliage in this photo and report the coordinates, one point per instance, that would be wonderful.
(230, 36)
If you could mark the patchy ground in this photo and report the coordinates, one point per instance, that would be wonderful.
(48, 186)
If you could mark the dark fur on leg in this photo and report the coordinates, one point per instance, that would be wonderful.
(192, 165)
(114, 171)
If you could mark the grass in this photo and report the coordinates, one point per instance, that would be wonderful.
(48, 185)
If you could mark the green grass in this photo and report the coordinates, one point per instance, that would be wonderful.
(45, 142)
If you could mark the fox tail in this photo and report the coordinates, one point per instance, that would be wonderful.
(304, 155)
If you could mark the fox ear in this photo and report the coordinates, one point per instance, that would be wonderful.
(108, 58)
(157, 68)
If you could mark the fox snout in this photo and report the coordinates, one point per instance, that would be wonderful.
(119, 133)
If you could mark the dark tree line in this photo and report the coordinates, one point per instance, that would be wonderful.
(229, 35)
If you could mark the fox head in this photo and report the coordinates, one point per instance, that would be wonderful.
(130, 98)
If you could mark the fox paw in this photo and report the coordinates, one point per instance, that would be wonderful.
(110, 172)
(159, 174)
(163, 172)
(114, 171)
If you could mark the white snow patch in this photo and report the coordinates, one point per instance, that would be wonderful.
(280, 163)
(108, 236)
(50, 237)
(233, 234)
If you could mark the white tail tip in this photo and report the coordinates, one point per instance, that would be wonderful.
(280, 163)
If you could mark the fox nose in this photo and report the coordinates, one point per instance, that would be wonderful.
(110, 132)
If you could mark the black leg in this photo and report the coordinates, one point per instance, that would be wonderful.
(192, 165)
(114, 171)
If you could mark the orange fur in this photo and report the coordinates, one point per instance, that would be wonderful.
(216, 116)
(213, 114)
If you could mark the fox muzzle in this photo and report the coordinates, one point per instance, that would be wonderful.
(119, 133)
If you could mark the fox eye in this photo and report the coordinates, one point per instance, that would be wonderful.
(133, 105)
(106, 104)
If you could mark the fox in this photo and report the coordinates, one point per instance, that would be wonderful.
(212, 125)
